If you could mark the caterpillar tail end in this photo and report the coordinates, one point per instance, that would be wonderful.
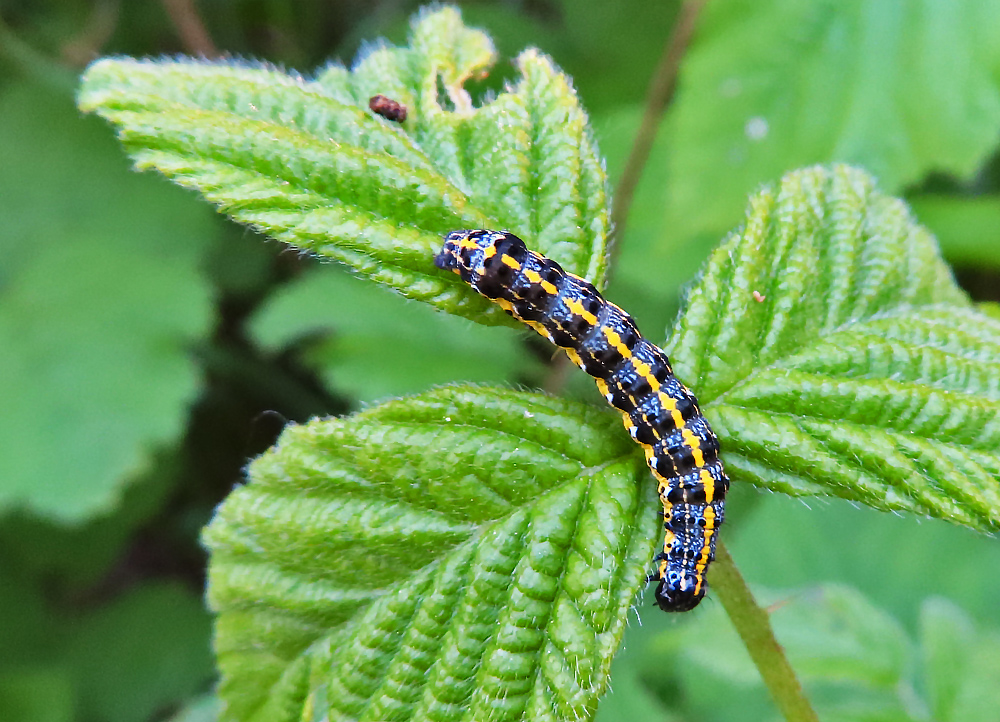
(676, 598)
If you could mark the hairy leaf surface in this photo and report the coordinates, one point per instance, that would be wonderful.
(859, 369)
(308, 163)
(466, 554)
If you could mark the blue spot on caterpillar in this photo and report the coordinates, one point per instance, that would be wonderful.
(634, 375)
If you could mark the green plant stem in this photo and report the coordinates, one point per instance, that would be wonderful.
(660, 93)
(754, 627)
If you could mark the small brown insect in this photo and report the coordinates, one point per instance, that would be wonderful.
(758, 297)
(388, 108)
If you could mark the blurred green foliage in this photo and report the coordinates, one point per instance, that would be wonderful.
(855, 660)
(144, 343)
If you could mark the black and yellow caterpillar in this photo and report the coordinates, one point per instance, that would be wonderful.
(634, 375)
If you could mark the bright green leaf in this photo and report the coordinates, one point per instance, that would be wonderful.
(902, 89)
(93, 357)
(859, 369)
(207, 708)
(470, 553)
(100, 296)
(990, 308)
(306, 161)
(394, 347)
(788, 545)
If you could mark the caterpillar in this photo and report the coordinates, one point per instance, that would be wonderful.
(634, 375)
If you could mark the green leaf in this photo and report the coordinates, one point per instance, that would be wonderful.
(146, 651)
(100, 295)
(903, 89)
(127, 660)
(784, 543)
(630, 699)
(469, 553)
(36, 695)
(34, 681)
(948, 638)
(862, 371)
(990, 309)
(306, 161)
(650, 268)
(840, 636)
(394, 347)
(961, 664)
(968, 228)
(30, 632)
(70, 559)
(206, 708)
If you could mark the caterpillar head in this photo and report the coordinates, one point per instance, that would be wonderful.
(487, 260)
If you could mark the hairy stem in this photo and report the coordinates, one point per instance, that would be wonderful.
(754, 627)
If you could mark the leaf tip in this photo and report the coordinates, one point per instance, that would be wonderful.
(95, 80)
